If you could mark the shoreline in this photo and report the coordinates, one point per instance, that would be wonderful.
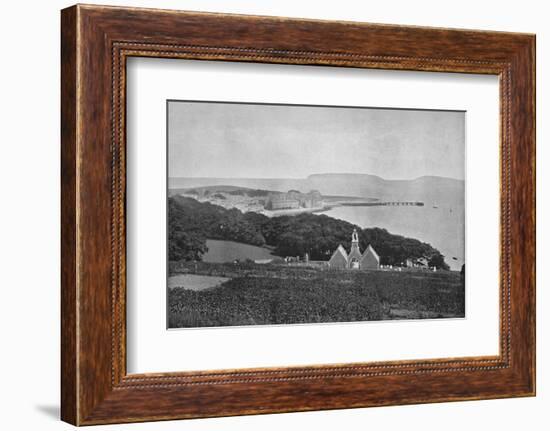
(329, 206)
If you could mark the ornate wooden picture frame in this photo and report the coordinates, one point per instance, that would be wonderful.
(96, 41)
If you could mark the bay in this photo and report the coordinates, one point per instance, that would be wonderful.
(441, 226)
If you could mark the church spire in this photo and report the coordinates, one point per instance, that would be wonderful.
(355, 242)
(354, 238)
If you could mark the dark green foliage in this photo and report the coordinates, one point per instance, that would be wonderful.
(438, 260)
(281, 294)
(317, 235)
(202, 221)
(396, 249)
(320, 235)
(185, 241)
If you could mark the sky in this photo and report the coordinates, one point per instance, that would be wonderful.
(228, 140)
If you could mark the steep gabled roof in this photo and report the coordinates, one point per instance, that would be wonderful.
(342, 251)
(370, 250)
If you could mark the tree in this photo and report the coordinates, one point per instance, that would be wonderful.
(191, 222)
(185, 241)
(438, 260)
(185, 245)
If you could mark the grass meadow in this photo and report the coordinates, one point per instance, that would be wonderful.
(282, 294)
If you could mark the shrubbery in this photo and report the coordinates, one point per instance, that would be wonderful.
(317, 235)
(279, 294)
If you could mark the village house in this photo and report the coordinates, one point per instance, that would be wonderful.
(294, 199)
(421, 262)
(282, 201)
(341, 259)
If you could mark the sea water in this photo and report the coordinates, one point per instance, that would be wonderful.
(441, 226)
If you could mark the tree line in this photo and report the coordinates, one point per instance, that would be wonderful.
(191, 222)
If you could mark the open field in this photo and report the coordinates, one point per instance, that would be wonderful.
(228, 251)
(195, 281)
(282, 294)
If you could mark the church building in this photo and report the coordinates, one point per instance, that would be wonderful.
(355, 259)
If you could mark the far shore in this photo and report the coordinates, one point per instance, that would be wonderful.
(296, 211)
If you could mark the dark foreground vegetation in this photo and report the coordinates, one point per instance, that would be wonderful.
(191, 222)
(280, 294)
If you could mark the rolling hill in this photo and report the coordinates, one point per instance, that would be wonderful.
(428, 189)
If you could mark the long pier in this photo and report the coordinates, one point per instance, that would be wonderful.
(383, 203)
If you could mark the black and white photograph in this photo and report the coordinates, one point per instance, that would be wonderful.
(300, 214)
(275, 215)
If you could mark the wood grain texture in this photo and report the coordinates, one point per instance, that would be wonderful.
(69, 397)
(96, 41)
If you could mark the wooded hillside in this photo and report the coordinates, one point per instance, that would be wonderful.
(191, 222)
